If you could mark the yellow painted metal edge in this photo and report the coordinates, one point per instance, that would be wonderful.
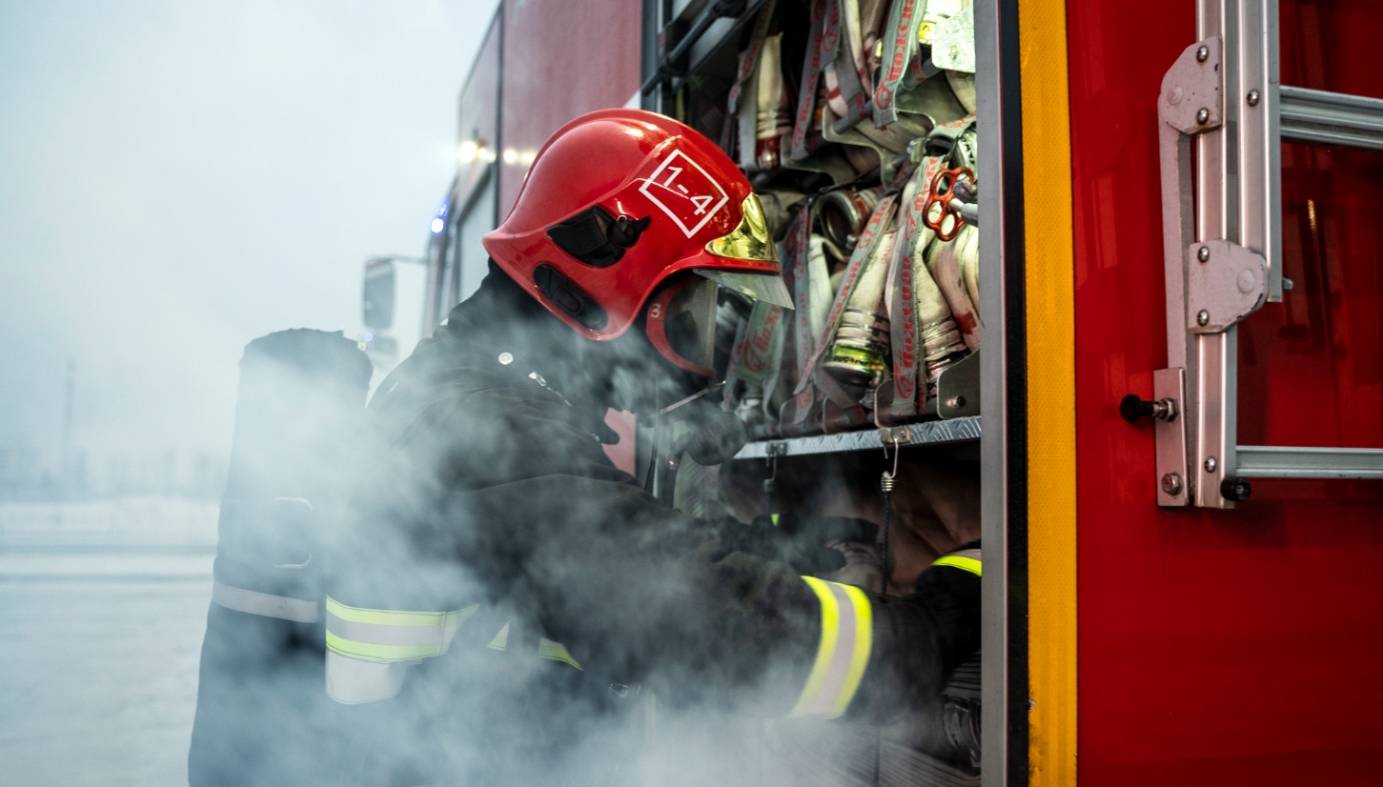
(1050, 303)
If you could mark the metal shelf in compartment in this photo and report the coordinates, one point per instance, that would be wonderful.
(955, 430)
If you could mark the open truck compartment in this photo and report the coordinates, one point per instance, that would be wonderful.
(1173, 208)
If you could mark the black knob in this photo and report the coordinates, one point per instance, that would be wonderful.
(1236, 489)
(1132, 408)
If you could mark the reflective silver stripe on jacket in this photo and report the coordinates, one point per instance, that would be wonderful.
(264, 604)
(386, 635)
(847, 637)
(369, 650)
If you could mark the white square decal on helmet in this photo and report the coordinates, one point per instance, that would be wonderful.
(683, 190)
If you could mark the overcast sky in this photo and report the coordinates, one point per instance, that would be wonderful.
(177, 178)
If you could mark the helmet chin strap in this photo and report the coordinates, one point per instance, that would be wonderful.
(709, 389)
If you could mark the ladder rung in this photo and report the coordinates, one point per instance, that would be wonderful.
(1271, 461)
(1320, 117)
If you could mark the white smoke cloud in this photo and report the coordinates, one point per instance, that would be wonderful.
(179, 177)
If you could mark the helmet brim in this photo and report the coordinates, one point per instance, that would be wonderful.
(767, 287)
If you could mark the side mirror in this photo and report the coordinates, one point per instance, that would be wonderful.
(377, 300)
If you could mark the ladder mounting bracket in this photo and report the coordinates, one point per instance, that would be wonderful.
(1192, 99)
(1225, 283)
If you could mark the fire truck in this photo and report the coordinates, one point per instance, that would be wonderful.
(1175, 416)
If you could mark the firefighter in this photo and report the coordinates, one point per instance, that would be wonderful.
(503, 587)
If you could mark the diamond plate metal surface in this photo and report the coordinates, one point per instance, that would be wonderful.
(952, 431)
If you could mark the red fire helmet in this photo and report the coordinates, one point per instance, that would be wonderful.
(618, 201)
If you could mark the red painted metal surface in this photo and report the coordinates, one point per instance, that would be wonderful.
(477, 122)
(478, 112)
(1312, 366)
(1332, 45)
(561, 59)
(1227, 647)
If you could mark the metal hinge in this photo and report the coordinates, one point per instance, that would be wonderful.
(1222, 282)
(1225, 283)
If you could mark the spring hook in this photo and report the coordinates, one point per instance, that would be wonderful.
(886, 482)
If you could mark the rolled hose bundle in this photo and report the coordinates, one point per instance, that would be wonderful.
(857, 355)
(261, 708)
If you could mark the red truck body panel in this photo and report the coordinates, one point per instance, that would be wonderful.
(561, 59)
(478, 112)
(1227, 647)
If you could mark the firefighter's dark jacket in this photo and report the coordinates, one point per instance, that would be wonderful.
(487, 485)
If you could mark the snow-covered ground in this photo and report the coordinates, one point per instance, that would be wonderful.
(126, 522)
(102, 609)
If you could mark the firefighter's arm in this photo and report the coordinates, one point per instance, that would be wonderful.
(860, 654)
(637, 589)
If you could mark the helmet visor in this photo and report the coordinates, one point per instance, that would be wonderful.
(768, 287)
(751, 240)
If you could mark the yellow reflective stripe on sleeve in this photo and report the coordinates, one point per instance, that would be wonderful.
(385, 653)
(389, 617)
(391, 635)
(843, 653)
(825, 650)
(961, 562)
(556, 651)
(864, 642)
(501, 640)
